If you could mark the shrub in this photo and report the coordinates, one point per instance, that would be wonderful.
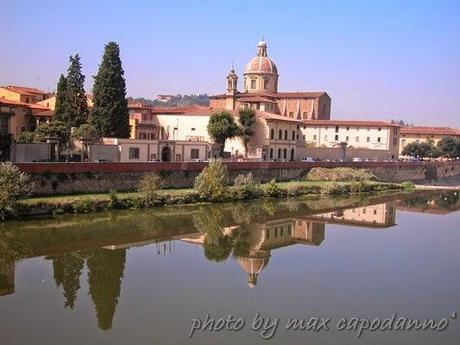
(334, 188)
(360, 187)
(271, 189)
(149, 186)
(14, 185)
(408, 185)
(245, 185)
(84, 205)
(114, 201)
(211, 183)
(339, 174)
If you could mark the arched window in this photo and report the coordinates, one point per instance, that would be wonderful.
(285, 153)
(280, 134)
(266, 84)
(272, 134)
(293, 135)
(279, 153)
(286, 135)
(271, 152)
(292, 154)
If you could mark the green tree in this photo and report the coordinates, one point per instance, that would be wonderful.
(247, 128)
(60, 109)
(14, 185)
(85, 131)
(25, 138)
(53, 129)
(76, 105)
(420, 150)
(222, 126)
(110, 112)
(449, 147)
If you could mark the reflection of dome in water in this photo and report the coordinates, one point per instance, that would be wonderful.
(254, 265)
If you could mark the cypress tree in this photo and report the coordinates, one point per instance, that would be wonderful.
(110, 112)
(60, 109)
(77, 107)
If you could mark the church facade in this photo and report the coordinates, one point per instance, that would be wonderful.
(260, 92)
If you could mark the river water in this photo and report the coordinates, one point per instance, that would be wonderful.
(343, 265)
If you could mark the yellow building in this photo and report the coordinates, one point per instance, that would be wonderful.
(418, 134)
(23, 94)
(50, 102)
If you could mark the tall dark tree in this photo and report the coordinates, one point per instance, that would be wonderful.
(222, 126)
(76, 104)
(247, 128)
(60, 108)
(110, 111)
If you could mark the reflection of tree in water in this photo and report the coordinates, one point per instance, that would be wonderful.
(448, 200)
(210, 222)
(67, 270)
(105, 272)
(240, 237)
(445, 200)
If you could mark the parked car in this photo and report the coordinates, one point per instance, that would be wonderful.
(103, 161)
(357, 159)
(307, 159)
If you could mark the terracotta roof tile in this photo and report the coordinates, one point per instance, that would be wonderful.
(25, 90)
(430, 130)
(349, 123)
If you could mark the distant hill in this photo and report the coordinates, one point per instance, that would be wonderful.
(175, 101)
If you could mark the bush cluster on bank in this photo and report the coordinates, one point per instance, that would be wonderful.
(212, 185)
(340, 174)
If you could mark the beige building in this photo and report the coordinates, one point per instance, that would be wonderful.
(137, 150)
(260, 92)
(380, 137)
(417, 134)
(23, 94)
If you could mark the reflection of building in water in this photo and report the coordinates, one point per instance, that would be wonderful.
(6, 278)
(380, 215)
(260, 239)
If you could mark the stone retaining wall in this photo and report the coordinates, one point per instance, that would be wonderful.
(63, 178)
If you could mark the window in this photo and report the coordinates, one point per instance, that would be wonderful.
(280, 134)
(286, 135)
(305, 115)
(395, 141)
(285, 153)
(291, 114)
(153, 156)
(253, 83)
(265, 84)
(348, 128)
(271, 152)
(336, 129)
(403, 142)
(380, 129)
(279, 153)
(357, 139)
(193, 128)
(272, 134)
(133, 153)
(336, 137)
(314, 136)
(267, 234)
(194, 153)
(347, 138)
(368, 139)
(304, 137)
(378, 139)
(293, 135)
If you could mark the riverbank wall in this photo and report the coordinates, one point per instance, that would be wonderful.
(67, 178)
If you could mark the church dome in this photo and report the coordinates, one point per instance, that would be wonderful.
(261, 63)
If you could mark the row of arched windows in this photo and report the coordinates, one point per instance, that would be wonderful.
(282, 153)
(280, 134)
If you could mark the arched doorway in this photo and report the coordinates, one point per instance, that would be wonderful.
(166, 154)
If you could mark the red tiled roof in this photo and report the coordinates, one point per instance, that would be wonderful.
(430, 130)
(256, 99)
(25, 90)
(349, 123)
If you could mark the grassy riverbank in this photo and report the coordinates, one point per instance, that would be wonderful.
(87, 203)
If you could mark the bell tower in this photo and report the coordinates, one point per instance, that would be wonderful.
(232, 89)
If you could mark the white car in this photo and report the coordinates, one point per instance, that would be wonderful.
(307, 159)
(357, 159)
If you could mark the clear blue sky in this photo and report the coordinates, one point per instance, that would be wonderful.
(376, 59)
